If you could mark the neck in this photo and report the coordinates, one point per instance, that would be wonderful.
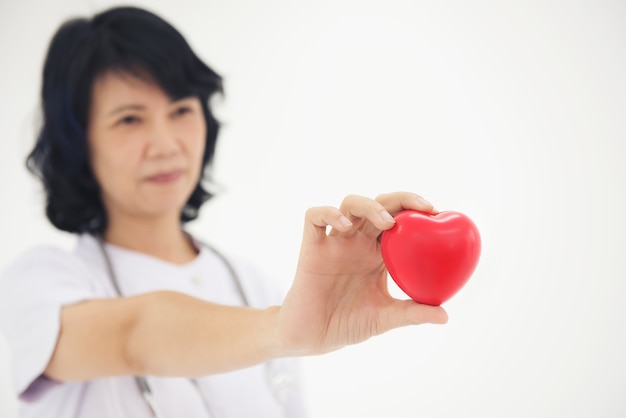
(162, 237)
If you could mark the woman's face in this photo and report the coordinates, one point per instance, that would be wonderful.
(145, 149)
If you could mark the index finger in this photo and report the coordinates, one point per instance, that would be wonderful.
(398, 201)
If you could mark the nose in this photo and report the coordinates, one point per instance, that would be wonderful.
(163, 141)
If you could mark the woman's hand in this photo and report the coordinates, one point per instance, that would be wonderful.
(339, 295)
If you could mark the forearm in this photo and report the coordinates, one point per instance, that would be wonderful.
(161, 334)
(178, 335)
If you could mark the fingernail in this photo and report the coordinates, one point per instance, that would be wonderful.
(345, 221)
(387, 216)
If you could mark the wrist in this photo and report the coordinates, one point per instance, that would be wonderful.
(274, 347)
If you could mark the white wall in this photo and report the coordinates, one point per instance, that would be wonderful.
(512, 112)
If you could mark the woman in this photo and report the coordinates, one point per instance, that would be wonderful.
(142, 319)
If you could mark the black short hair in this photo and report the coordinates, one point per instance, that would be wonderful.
(125, 39)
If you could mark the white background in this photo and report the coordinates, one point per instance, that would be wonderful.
(511, 112)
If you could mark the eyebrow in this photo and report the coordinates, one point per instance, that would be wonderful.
(125, 108)
(140, 107)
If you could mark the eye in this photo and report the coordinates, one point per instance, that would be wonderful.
(129, 120)
(182, 110)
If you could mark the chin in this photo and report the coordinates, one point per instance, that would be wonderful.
(164, 207)
(165, 200)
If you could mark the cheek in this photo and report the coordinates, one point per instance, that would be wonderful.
(196, 155)
(108, 174)
(200, 147)
(113, 165)
(196, 141)
(116, 158)
(100, 164)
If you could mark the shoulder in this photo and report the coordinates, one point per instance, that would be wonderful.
(47, 259)
(41, 253)
(44, 269)
(33, 290)
(42, 280)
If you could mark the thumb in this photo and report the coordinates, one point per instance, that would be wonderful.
(414, 313)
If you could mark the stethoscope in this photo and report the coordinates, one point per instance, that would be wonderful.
(278, 379)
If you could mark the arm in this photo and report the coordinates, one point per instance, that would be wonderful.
(159, 333)
(339, 296)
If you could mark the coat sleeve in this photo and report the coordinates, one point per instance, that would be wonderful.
(33, 290)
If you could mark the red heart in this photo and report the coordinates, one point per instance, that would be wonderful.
(431, 257)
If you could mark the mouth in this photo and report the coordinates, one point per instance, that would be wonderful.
(165, 177)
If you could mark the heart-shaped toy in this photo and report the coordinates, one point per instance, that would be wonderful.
(431, 257)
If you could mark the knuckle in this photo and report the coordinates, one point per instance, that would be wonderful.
(383, 197)
(350, 199)
(319, 211)
(400, 195)
(311, 212)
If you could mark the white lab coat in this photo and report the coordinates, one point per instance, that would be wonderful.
(37, 285)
